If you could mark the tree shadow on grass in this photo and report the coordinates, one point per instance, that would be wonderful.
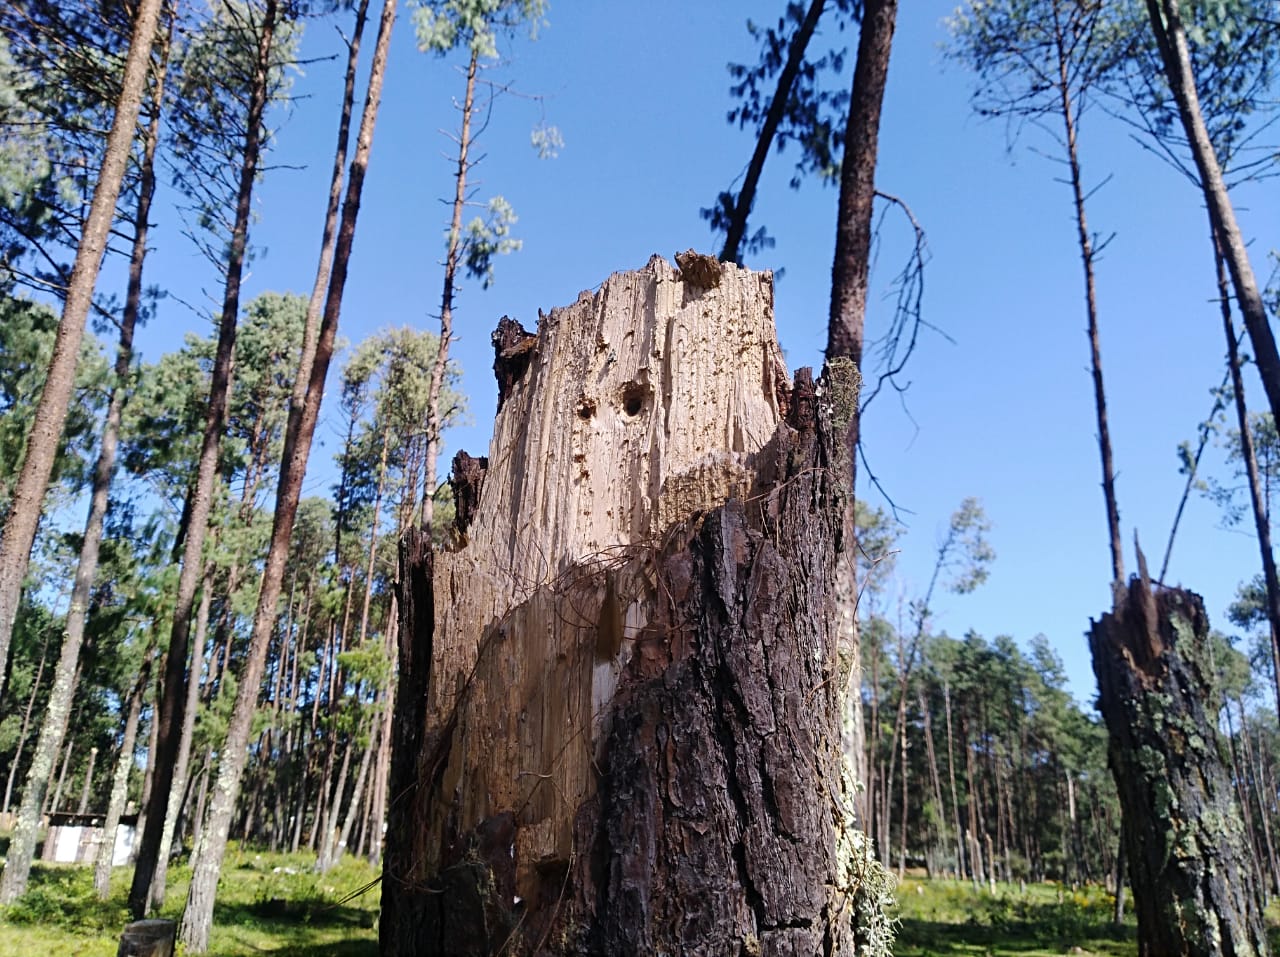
(284, 913)
(1034, 929)
(346, 948)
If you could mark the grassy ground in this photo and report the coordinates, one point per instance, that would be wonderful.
(276, 904)
(951, 919)
(262, 909)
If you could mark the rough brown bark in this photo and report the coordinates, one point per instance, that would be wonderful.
(618, 720)
(847, 321)
(54, 727)
(403, 917)
(1195, 887)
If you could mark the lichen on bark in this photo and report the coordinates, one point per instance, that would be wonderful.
(1196, 890)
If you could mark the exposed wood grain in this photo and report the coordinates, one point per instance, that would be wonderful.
(630, 741)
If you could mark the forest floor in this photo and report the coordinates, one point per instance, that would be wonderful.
(953, 919)
(267, 904)
(277, 904)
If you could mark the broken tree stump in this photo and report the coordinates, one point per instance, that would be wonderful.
(618, 711)
(1194, 880)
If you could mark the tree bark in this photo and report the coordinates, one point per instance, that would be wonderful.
(198, 917)
(19, 530)
(1085, 241)
(1195, 888)
(54, 727)
(170, 712)
(22, 733)
(87, 786)
(383, 769)
(120, 782)
(1257, 500)
(847, 321)
(328, 237)
(1171, 38)
(1259, 792)
(618, 714)
(178, 790)
(357, 798)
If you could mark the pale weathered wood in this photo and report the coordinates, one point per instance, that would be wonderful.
(629, 740)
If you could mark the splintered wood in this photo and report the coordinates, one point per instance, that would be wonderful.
(643, 403)
(635, 615)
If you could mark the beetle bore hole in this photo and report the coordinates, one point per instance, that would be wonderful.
(632, 398)
(586, 409)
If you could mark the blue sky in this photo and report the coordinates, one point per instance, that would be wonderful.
(1004, 412)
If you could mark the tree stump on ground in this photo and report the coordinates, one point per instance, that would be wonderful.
(148, 938)
(618, 715)
(1195, 886)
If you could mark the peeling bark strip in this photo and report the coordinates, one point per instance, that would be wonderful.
(1195, 889)
(629, 741)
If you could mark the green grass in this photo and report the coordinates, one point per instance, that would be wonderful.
(951, 919)
(264, 909)
(261, 909)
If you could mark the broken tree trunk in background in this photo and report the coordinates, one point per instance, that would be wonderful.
(1195, 889)
(618, 724)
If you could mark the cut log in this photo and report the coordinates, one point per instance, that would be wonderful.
(1194, 880)
(148, 938)
(618, 714)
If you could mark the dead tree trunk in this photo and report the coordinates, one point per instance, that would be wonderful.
(618, 724)
(1195, 889)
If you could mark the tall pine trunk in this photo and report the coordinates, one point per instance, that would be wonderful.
(178, 790)
(172, 701)
(736, 231)
(1087, 258)
(19, 532)
(1257, 499)
(198, 916)
(1171, 39)
(58, 710)
(452, 259)
(847, 321)
(120, 782)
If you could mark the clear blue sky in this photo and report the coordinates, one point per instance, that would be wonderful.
(640, 93)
